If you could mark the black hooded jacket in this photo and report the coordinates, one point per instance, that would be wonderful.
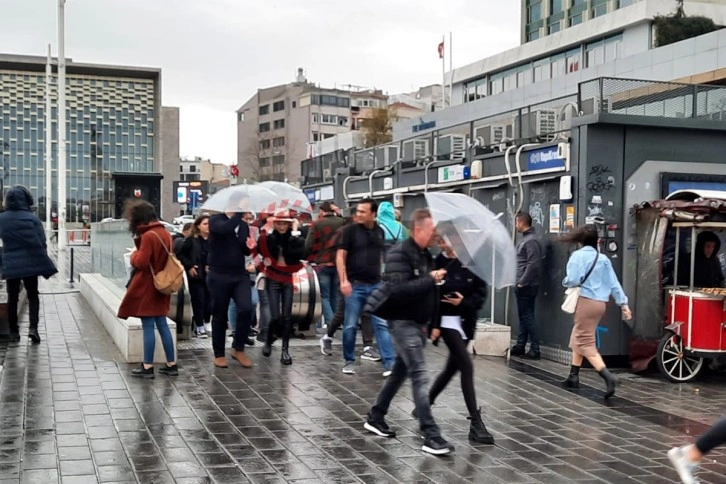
(707, 270)
(24, 251)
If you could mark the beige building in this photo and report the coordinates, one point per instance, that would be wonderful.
(279, 126)
(197, 168)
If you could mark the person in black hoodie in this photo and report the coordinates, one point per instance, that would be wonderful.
(412, 281)
(463, 295)
(193, 256)
(707, 271)
(229, 243)
(282, 250)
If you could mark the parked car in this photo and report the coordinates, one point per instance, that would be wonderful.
(183, 219)
(170, 228)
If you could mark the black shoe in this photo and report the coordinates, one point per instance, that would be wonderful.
(573, 381)
(379, 427)
(14, 337)
(267, 350)
(169, 370)
(437, 446)
(531, 355)
(285, 358)
(611, 381)
(516, 351)
(33, 335)
(478, 431)
(261, 337)
(253, 333)
(250, 342)
(142, 372)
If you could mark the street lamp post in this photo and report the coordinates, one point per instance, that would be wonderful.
(48, 148)
(61, 127)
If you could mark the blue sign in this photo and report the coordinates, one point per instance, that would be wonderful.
(674, 186)
(544, 159)
(423, 126)
(310, 193)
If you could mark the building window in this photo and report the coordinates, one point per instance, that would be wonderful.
(575, 19)
(315, 119)
(533, 35)
(265, 161)
(192, 168)
(599, 8)
(595, 54)
(510, 79)
(342, 121)
(264, 127)
(265, 144)
(278, 124)
(496, 84)
(556, 6)
(554, 27)
(278, 160)
(264, 109)
(625, 3)
(277, 142)
(294, 104)
(573, 59)
(240, 117)
(316, 137)
(542, 70)
(524, 76)
(534, 11)
(328, 119)
(327, 135)
(278, 106)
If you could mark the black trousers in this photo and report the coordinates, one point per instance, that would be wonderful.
(31, 289)
(224, 287)
(279, 295)
(201, 301)
(714, 437)
(459, 360)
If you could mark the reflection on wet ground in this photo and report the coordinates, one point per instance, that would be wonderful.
(70, 413)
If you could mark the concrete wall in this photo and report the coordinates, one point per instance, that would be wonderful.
(170, 160)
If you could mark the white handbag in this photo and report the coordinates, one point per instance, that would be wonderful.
(572, 294)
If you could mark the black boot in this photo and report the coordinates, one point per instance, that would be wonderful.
(478, 431)
(573, 381)
(267, 348)
(33, 334)
(14, 337)
(611, 381)
(285, 357)
(286, 330)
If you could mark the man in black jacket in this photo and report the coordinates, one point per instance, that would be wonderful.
(412, 281)
(529, 260)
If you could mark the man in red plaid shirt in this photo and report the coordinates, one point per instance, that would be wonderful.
(320, 248)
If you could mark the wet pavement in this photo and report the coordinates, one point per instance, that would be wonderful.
(71, 413)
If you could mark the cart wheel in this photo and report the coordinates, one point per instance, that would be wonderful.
(674, 362)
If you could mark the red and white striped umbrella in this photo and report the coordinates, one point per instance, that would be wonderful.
(289, 198)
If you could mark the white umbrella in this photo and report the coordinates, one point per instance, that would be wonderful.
(288, 197)
(480, 240)
(241, 198)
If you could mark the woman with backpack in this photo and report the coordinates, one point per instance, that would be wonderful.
(193, 255)
(393, 231)
(142, 300)
(593, 273)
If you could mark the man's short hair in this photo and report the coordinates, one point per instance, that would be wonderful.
(419, 216)
(373, 204)
(187, 226)
(326, 207)
(525, 217)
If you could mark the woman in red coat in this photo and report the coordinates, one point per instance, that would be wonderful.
(142, 300)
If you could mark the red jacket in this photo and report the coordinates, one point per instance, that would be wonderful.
(141, 298)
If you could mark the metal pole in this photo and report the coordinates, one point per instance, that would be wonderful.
(70, 277)
(443, 71)
(451, 68)
(48, 147)
(61, 127)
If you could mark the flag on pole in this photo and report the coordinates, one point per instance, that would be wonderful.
(441, 50)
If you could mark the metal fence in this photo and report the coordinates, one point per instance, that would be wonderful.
(652, 98)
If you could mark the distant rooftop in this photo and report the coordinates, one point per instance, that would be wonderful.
(36, 63)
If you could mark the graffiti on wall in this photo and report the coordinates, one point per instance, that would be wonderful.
(537, 214)
(600, 179)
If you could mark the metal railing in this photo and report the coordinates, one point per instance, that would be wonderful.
(635, 97)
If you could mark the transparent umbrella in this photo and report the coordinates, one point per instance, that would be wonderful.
(241, 198)
(288, 197)
(480, 240)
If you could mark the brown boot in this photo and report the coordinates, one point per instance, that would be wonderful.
(221, 362)
(242, 358)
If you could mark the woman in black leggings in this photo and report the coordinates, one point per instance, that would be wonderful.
(462, 296)
(687, 458)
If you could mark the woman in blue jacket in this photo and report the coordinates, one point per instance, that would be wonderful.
(593, 273)
(24, 258)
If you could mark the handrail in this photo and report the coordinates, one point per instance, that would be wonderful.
(345, 184)
(506, 163)
(370, 179)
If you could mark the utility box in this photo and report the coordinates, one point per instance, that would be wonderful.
(491, 339)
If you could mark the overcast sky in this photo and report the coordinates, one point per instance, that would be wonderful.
(214, 54)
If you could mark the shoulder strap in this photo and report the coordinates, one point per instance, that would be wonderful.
(162, 242)
(589, 271)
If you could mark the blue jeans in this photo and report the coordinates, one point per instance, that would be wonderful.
(410, 341)
(232, 310)
(328, 280)
(353, 306)
(527, 324)
(148, 324)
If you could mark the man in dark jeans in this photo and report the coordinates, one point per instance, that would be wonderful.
(529, 258)
(412, 302)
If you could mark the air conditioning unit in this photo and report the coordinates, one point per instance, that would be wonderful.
(538, 123)
(593, 105)
(390, 155)
(415, 149)
(493, 134)
(451, 147)
(327, 173)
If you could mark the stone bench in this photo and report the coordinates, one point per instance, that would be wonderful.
(104, 297)
(491, 339)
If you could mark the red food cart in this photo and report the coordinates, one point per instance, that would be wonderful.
(695, 317)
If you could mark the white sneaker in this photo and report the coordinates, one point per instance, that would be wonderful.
(387, 373)
(200, 332)
(349, 368)
(684, 467)
(208, 327)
